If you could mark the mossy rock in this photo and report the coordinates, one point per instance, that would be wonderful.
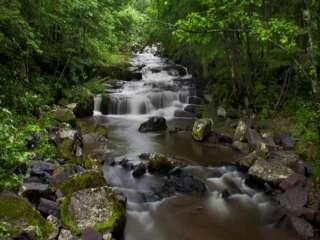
(63, 115)
(87, 126)
(79, 181)
(97, 208)
(17, 214)
(66, 149)
(202, 129)
(83, 99)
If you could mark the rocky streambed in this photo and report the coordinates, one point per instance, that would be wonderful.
(145, 166)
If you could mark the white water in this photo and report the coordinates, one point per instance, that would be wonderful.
(159, 93)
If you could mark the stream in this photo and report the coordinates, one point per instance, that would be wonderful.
(246, 214)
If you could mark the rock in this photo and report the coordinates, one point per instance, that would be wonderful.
(269, 141)
(294, 199)
(95, 208)
(42, 168)
(18, 215)
(195, 100)
(91, 234)
(192, 108)
(105, 101)
(33, 141)
(126, 164)
(287, 158)
(30, 232)
(63, 115)
(48, 207)
(63, 172)
(241, 131)
(248, 160)
(184, 114)
(185, 183)
(79, 181)
(292, 181)
(217, 138)
(34, 191)
(286, 141)
(139, 170)
(221, 112)
(107, 236)
(66, 235)
(56, 223)
(270, 171)
(94, 150)
(202, 129)
(91, 126)
(158, 163)
(302, 227)
(84, 108)
(256, 141)
(241, 146)
(153, 124)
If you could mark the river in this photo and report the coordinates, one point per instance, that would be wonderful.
(246, 214)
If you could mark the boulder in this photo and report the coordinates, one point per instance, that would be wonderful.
(287, 158)
(269, 141)
(175, 70)
(294, 200)
(82, 101)
(184, 114)
(66, 235)
(157, 163)
(303, 228)
(202, 129)
(48, 207)
(18, 217)
(241, 146)
(95, 208)
(34, 191)
(63, 115)
(139, 170)
(56, 224)
(153, 124)
(256, 141)
(94, 150)
(248, 160)
(89, 179)
(240, 133)
(270, 172)
(292, 181)
(63, 172)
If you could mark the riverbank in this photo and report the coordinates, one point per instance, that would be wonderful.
(106, 169)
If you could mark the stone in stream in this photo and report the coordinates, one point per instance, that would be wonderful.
(294, 200)
(139, 170)
(241, 146)
(154, 124)
(34, 191)
(302, 227)
(63, 172)
(48, 207)
(270, 172)
(287, 158)
(157, 163)
(202, 129)
(192, 108)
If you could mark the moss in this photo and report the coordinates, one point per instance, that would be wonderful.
(17, 214)
(63, 115)
(113, 206)
(66, 216)
(89, 179)
(77, 94)
(66, 149)
(90, 127)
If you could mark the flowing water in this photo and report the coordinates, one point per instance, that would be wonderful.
(246, 214)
